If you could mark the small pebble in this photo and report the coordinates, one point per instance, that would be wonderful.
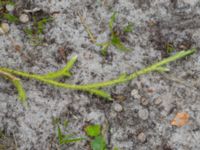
(10, 7)
(1, 31)
(113, 114)
(24, 18)
(143, 114)
(142, 137)
(157, 101)
(118, 107)
(4, 28)
(144, 101)
(135, 94)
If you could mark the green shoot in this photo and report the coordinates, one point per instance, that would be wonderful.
(63, 72)
(20, 90)
(114, 38)
(112, 21)
(40, 25)
(66, 138)
(36, 30)
(93, 88)
(105, 47)
(116, 42)
(16, 82)
(11, 18)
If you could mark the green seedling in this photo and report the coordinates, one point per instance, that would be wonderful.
(93, 88)
(97, 142)
(67, 138)
(36, 31)
(10, 18)
(114, 38)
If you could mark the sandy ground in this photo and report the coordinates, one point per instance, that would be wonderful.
(149, 103)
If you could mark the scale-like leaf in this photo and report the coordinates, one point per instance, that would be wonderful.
(101, 93)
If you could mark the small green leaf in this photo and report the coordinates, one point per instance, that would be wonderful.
(98, 143)
(11, 18)
(60, 135)
(112, 21)
(118, 43)
(93, 130)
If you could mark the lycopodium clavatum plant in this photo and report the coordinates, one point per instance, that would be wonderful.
(92, 88)
(114, 37)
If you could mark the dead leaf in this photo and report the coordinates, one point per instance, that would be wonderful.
(180, 120)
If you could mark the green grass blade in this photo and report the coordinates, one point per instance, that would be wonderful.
(116, 42)
(112, 21)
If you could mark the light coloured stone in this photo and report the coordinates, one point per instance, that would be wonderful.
(135, 94)
(158, 101)
(143, 114)
(118, 107)
(142, 137)
(4, 28)
(144, 101)
(24, 18)
(10, 7)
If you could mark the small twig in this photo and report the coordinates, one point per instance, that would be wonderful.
(87, 29)
(16, 145)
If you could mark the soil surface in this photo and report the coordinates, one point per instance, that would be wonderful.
(140, 116)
